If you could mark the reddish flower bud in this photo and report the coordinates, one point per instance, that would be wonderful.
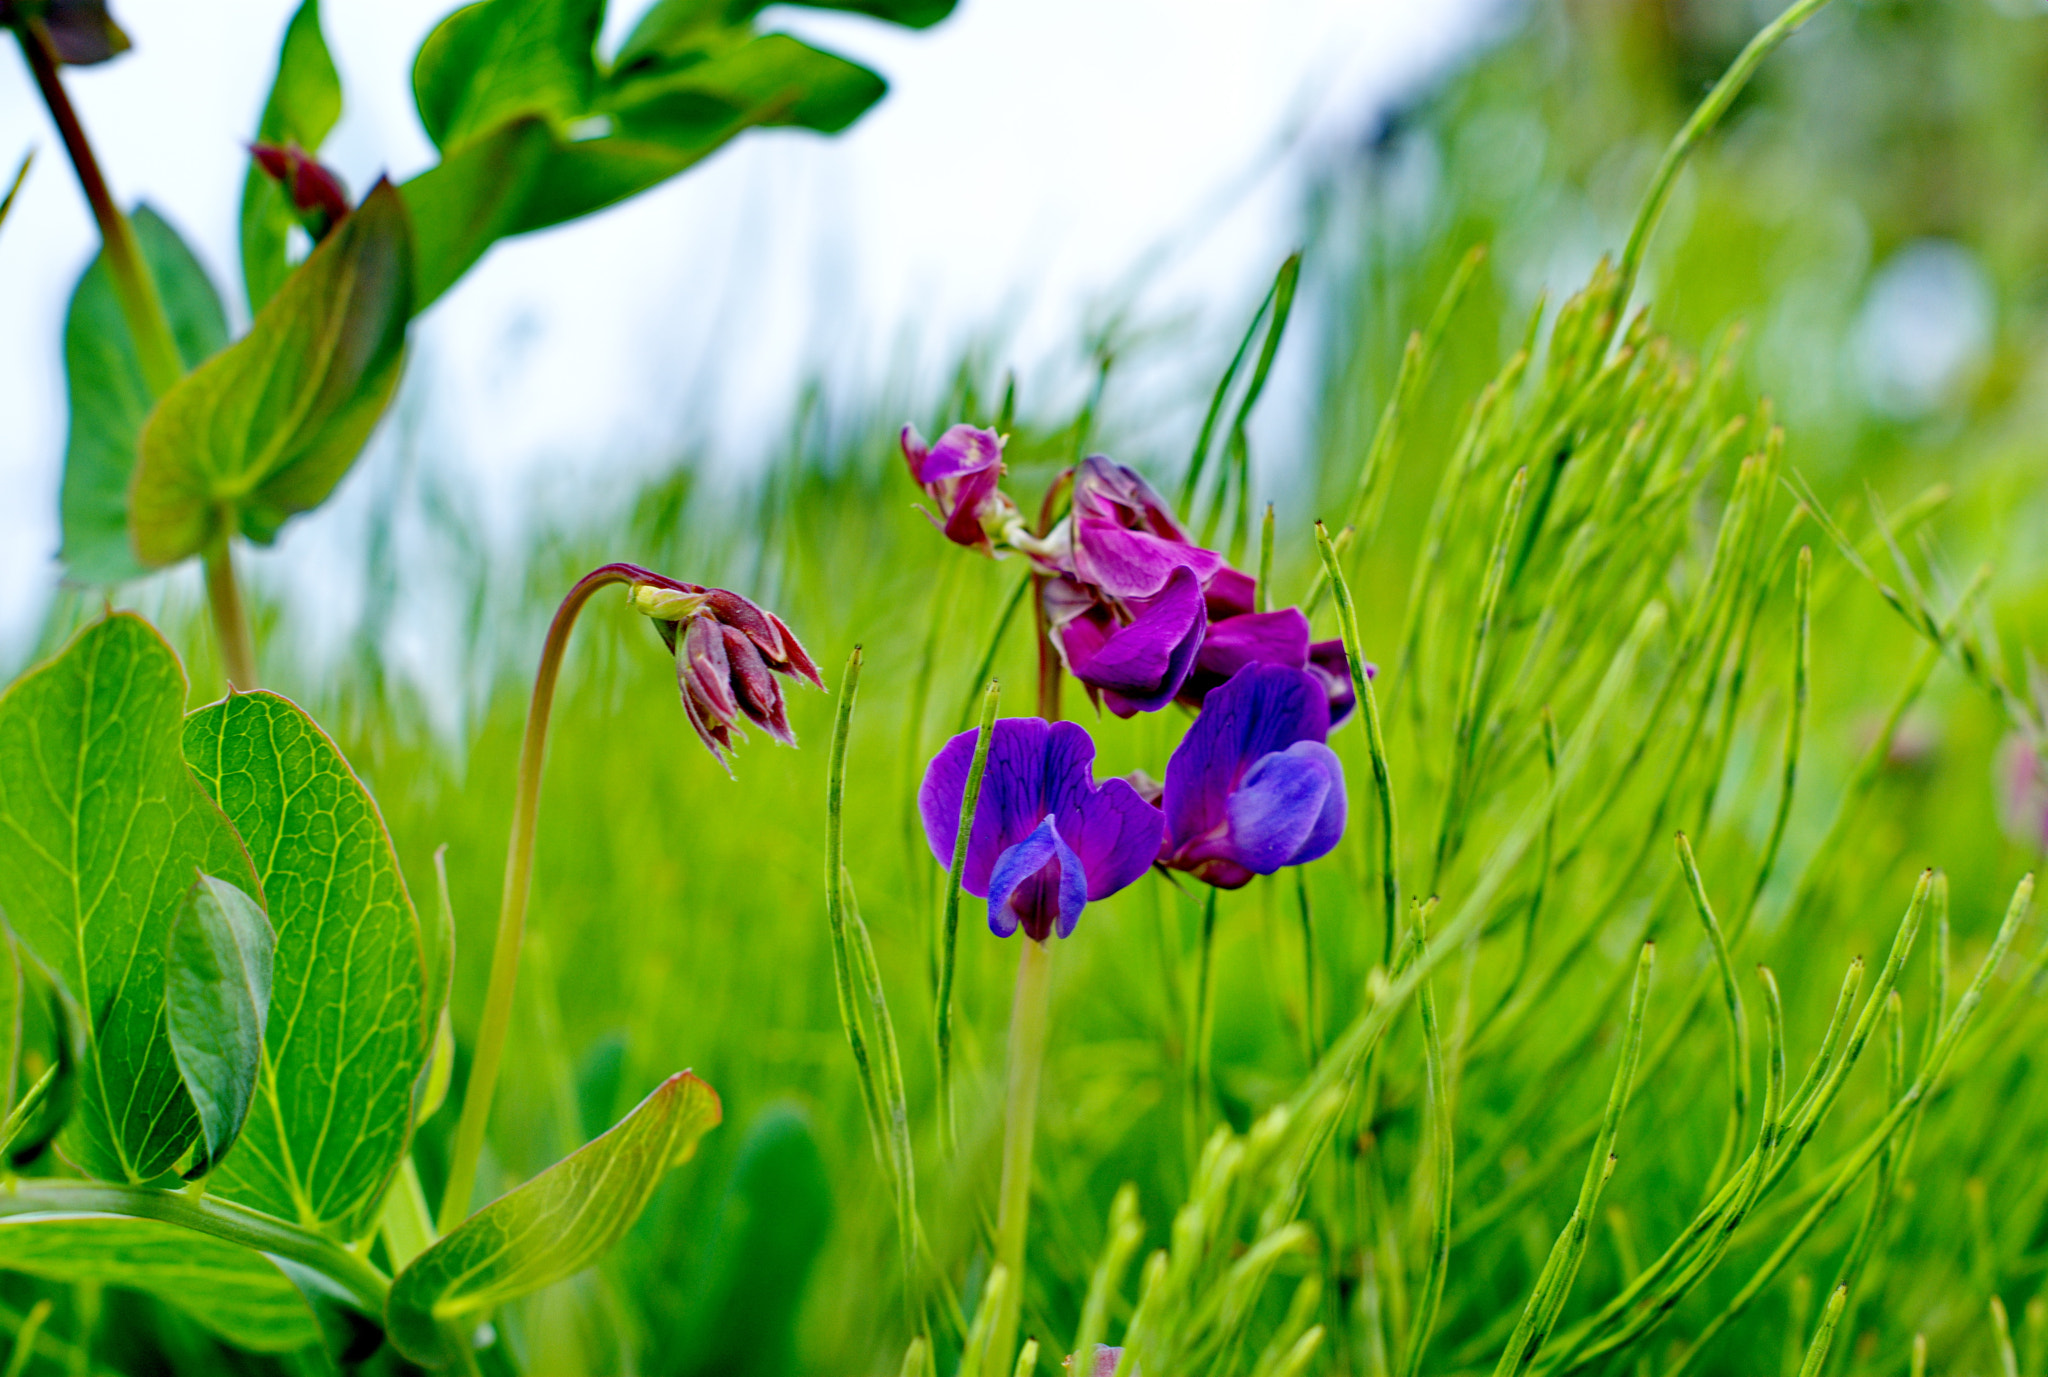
(728, 652)
(316, 193)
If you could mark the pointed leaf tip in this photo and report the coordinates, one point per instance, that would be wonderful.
(552, 1227)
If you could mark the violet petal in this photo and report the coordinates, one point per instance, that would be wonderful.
(1263, 709)
(1039, 883)
(1116, 834)
(1145, 662)
(961, 450)
(1283, 811)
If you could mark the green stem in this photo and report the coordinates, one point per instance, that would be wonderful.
(1028, 1019)
(1198, 1063)
(1704, 118)
(230, 622)
(1376, 742)
(365, 1285)
(134, 287)
(950, 919)
(497, 1020)
(407, 1221)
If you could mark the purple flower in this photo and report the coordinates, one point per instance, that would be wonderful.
(1125, 539)
(728, 652)
(1135, 652)
(1252, 787)
(1047, 839)
(1238, 636)
(2023, 791)
(1101, 1364)
(960, 474)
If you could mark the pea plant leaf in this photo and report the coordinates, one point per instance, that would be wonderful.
(232, 1291)
(535, 130)
(109, 401)
(101, 830)
(266, 429)
(218, 991)
(552, 1227)
(304, 103)
(489, 63)
(347, 1032)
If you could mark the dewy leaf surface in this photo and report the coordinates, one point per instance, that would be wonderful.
(109, 401)
(347, 1031)
(234, 1292)
(555, 1225)
(304, 103)
(102, 830)
(218, 989)
(267, 428)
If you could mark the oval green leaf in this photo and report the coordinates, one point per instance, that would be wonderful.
(304, 103)
(101, 830)
(347, 1033)
(554, 1226)
(218, 993)
(234, 1292)
(489, 63)
(109, 400)
(266, 429)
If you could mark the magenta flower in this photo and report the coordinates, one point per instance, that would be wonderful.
(1238, 636)
(1252, 786)
(1125, 540)
(1047, 840)
(2023, 791)
(1132, 654)
(728, 652)
(960, 474)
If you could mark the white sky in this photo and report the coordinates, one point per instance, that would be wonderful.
(1029, 154)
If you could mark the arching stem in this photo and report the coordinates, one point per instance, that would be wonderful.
(497, 1020)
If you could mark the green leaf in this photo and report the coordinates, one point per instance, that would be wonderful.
(101, 830)
(771, 1226)
(109, 401)
(552, 1227)
(265, 430)
(347, 1033)
(471, 199)
(773, 80)
(489, 63)
(235, 1292)
(218, 990)
(305, 102)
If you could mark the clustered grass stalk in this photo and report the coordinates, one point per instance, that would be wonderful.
(949, 922)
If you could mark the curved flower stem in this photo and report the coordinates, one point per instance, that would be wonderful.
(364, 1283)
(497, 1019)
(1028, 1019)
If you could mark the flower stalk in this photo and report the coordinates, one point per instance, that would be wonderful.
(1029, 1016)
(497, 1020)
